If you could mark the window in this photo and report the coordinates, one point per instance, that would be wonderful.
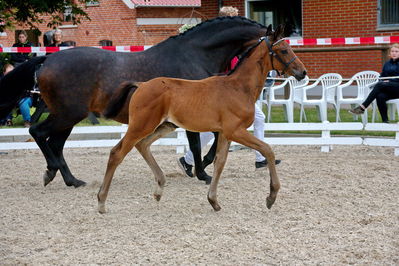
(388, 14)
(68, 16)
(93, 3)
(277, 12)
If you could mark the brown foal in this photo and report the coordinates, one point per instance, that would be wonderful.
(222, 104)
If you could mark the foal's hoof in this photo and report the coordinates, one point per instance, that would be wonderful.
(216, 207)
(157, 197)
(48, 176)
(204, 177)
(270, 201)
(101, 208)
(76, 183)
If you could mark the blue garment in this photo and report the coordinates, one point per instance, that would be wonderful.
(390, 69)
(24, 106)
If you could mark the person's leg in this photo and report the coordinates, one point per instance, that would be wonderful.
(24, 106)
(259, 133)
(390, 91)
(259, 130)
(382, 99)
(380, 87)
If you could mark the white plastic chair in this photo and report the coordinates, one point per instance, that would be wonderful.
(392, 105)
(264, 95)
(287, 103)
(329, 83)
(364, 80)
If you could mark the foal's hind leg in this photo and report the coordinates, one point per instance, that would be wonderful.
(220, 160)
(143, 146)
(243, 137)
(116, 156)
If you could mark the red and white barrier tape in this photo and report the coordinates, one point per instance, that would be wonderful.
(56, 49)
(293, 42)
(344, 41)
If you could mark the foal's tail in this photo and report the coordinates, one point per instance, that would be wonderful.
(119, 98)
(15, 83)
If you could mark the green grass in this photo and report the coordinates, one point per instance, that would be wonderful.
(277, 117)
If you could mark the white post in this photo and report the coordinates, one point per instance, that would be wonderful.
(397, 140)
(181, 149)
(325, 134)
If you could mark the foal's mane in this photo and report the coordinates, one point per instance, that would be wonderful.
(244, 56)
(216, 20)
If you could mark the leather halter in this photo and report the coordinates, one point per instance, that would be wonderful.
(273, 55)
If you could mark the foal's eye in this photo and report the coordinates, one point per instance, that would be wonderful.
(284, 51)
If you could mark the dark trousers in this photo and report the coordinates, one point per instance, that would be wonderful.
(382, 92)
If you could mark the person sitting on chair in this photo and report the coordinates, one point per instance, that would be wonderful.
(384, 90)
(24, 104)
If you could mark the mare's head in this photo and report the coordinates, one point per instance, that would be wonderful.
(282, 57)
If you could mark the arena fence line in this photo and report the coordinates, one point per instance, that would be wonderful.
(325, 140)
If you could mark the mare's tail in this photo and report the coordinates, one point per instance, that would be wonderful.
(15, 83)
(119, 98)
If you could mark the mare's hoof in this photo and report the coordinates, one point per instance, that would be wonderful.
(76, 183)
(204, 177)
(269, 202)
(216, 207)
(48, 176)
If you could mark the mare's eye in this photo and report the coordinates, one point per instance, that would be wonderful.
(284, 51)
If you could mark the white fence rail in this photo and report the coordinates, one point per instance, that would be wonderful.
(325, 140)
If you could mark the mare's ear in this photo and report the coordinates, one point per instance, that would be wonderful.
(269, 30)
(279, 33)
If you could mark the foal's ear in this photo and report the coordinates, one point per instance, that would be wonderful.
(279, 33)
(269, 30)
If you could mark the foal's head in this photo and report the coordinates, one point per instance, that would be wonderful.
(282, 58)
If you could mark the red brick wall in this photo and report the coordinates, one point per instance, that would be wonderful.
(341, 18)
(346, 63)
(114, 21)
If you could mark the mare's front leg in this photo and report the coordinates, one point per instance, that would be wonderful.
(220, 160)
(210, 156)
(143, 147)
(195, 147)
(50, 135)
(243, 137)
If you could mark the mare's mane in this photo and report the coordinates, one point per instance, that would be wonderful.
(217, 20)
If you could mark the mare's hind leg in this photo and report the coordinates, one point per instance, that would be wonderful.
(220, 160)
(243, 137)
(50, 135)
(143, 146)
(195, 147)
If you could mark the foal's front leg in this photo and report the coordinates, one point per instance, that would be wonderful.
(220, 160)
(243, 137)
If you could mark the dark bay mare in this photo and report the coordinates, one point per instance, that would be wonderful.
(77, 81)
